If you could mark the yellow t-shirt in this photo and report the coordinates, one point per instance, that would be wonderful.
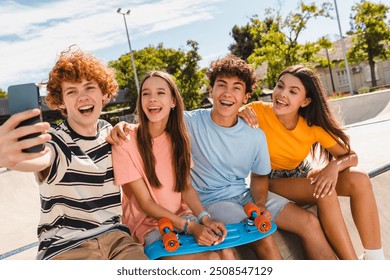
(288, 148)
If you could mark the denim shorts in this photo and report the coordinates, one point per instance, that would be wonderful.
(232, 210)
(299, 172)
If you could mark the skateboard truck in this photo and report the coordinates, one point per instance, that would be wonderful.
(170, 240)
(253, 212)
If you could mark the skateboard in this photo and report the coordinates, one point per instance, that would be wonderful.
(253, 228)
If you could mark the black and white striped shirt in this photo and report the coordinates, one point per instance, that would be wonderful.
(78, 198)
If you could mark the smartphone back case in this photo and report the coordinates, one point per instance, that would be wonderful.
(21, 98)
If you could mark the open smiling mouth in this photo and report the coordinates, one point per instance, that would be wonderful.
(86, 109)
(226, 103)
(154, 109)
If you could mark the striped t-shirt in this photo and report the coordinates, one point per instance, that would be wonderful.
(78, 198)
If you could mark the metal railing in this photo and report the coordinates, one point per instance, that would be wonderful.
(379, 170)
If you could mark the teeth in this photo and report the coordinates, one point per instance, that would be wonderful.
(227, 103)
(87, 107)
(154, 108)
(281, 102)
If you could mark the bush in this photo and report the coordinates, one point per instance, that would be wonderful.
(363, 89)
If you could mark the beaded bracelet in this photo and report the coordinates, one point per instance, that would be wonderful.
(186, 226)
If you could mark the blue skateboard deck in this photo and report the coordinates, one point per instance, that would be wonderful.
(238, 234)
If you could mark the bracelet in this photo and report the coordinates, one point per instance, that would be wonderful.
(186, 226)
(201, 215)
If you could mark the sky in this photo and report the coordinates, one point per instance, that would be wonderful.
(33, 33)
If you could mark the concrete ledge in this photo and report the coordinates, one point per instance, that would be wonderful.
(288, 243)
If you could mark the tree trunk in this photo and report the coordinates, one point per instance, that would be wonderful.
(372, 70)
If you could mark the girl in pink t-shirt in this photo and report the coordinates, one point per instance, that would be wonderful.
(153, 167)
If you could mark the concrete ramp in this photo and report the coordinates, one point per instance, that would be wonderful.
(361, 107)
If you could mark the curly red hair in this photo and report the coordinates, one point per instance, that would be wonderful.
(72, 66)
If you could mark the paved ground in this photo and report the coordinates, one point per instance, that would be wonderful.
(19, 205)
(371, 141)
(19, 198)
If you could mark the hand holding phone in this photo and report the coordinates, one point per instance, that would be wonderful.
(21, 98)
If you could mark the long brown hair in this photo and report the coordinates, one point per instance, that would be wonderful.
(318, 112)
(176, 129)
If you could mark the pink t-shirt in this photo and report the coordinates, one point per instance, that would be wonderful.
(128, 167)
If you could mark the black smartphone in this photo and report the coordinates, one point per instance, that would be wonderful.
(21, 98)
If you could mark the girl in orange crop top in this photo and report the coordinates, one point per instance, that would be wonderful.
(296, 123)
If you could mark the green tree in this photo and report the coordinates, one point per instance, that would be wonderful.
(279, 46)
(181, 64)
(188, 77)
(371, 37)
(3, 94)
(326, 44)
(245, 39)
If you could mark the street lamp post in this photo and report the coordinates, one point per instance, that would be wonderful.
(344, 52)
(124, 14)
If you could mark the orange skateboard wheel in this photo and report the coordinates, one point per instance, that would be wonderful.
(164, 223)
(249, 208)
(170, 241)
(262, 224)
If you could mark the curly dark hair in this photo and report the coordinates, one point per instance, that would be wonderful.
(232, 65)
(72, 66)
